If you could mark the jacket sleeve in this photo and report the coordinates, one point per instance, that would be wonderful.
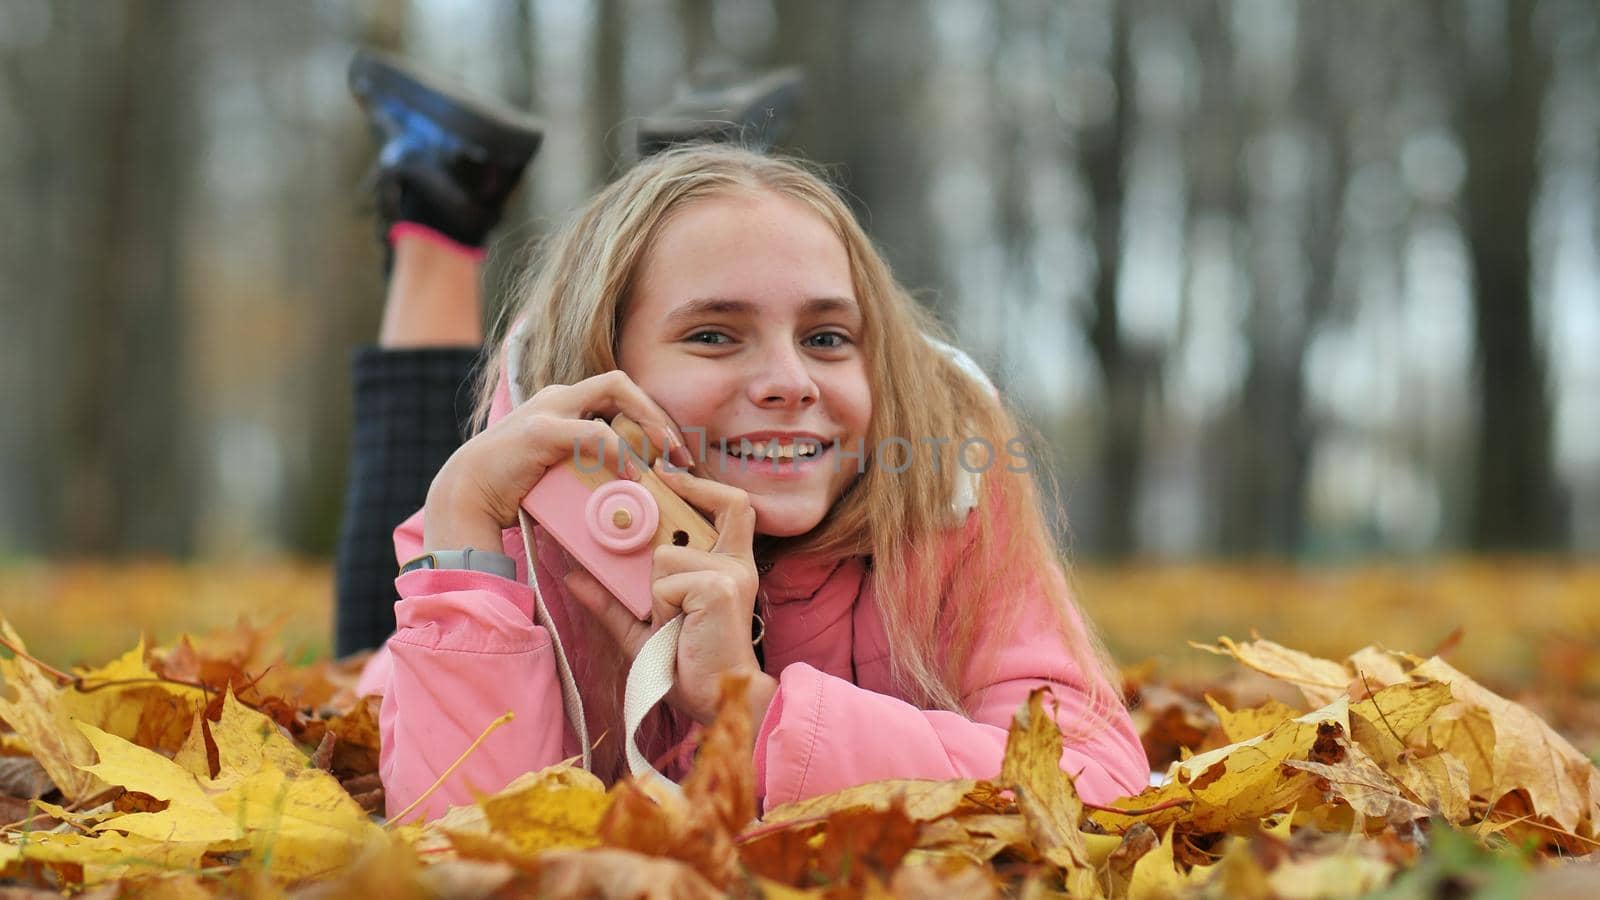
(822, 733)
(465, 651)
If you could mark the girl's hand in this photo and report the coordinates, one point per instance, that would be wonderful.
(714, 590)
(480, 487)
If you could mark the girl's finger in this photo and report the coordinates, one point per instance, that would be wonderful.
(583, 440)
(734, 517)
(688, 592)
(613, 392)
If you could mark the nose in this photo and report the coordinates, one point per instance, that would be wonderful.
(783, 380)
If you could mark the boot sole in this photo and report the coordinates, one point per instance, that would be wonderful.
(731, 111)
(501, 130)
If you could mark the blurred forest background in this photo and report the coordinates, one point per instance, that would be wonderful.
(1307, 280)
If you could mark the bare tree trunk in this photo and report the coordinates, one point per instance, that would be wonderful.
(128, 455)
(698, 35)
(1516, 504)
(609, 101)
(1124, 369)
(1270, 438)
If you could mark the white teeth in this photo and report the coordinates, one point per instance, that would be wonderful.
(774, 450)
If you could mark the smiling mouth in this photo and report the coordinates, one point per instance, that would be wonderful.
(774, 451)
(772, 457)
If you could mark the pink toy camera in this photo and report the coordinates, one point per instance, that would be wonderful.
(612, 525)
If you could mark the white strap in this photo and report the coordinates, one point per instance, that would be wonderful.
(652, 675)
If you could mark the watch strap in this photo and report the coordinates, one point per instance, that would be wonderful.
(469, 558)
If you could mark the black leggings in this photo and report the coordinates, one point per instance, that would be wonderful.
(412, 410)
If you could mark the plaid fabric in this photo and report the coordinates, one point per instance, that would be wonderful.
(412, 410)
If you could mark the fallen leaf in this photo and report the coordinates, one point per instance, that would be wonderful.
(190, 815)
(30, 701)
(1527, 754)
(1031, 769)
(108, 856)
(1321, 680)
(1346, 874)
(1155, 874)
(246, 741)
(610, 872)
(22, 776)
(717, 801)
(298, 825)
(126, 698)
(1358, 781)
(1243, 724)
(561, 809)
(921, 800)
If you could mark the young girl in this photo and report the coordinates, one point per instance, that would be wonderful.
(906, 606)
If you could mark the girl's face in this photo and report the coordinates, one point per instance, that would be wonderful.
(743, 321)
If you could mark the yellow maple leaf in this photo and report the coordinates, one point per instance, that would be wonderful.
(246, 740)
(1320, 680)
(1156, 874)
(31, 702)
(190, 814)
(192, 755)
(1390, 715)
(298, 825)
(1031, 769)
(1240, 782)
(125, 698)
(105, 857)
(1243, 724)
(561, 809)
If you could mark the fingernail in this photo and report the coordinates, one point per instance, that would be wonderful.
(634, 472)
(682, 456)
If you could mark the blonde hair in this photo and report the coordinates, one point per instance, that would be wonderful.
(935, 615)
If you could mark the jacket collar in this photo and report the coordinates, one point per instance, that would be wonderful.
(802, 577)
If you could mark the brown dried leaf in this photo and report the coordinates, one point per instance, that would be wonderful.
(718, 800)
(125, 698)
(22, 776)
(948, 876)
(1321, 680)
(614, 873)
(1358, 781)
(1520, 752)
(922, 800)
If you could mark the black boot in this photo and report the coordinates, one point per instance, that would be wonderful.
(755, 111)
(447, 161)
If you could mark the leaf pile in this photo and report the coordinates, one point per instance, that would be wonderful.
(210, 769)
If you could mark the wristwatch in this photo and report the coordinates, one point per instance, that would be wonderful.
(469, 558)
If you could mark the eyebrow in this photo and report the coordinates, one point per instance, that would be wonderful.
(711, 306)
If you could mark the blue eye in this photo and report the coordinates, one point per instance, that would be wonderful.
(842, 338)
(693, 338)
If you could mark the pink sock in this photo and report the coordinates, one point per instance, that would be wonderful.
(423, 233)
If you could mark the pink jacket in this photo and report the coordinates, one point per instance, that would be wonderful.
(466, 650)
